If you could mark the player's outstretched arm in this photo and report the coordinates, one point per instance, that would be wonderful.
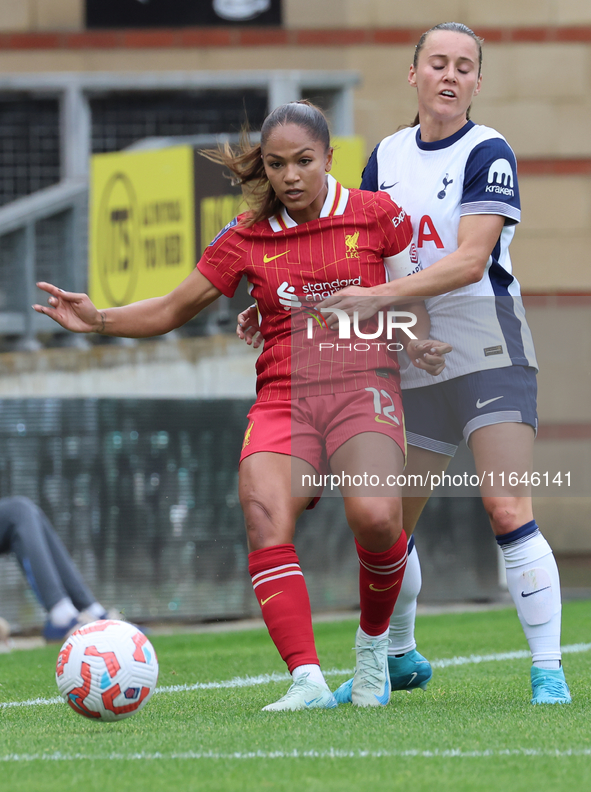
(477, 236)
(142, 319)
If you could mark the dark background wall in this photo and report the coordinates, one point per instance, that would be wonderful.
(178, 13)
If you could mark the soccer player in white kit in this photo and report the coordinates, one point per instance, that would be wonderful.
(458, 182)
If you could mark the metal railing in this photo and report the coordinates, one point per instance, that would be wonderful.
(42, 237)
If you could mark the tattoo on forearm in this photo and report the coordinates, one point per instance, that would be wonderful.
(103, 322)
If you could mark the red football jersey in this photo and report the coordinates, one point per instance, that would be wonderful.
(291, 268)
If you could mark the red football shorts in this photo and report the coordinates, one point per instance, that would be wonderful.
(313, 428)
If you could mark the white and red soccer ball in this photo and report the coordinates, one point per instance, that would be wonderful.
(107, 670)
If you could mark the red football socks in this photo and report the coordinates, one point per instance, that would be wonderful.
(280, 589)
(380, 578)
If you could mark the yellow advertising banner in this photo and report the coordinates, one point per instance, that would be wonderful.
(216, 212)
(142, 224)
(348, 160)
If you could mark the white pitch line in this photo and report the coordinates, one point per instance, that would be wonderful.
(330, 753)
(38, 702)
(518, 655)
(265, 679)
(236, 682)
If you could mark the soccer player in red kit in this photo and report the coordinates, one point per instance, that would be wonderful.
(318, 406)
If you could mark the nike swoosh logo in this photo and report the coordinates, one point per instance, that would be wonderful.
(537, 591)
(381, 420)
(277, 593)
(312, 701)
(373, 588)
(267, 259)
(385, 697)
(413, 676)
(480, 404)
(384, 186)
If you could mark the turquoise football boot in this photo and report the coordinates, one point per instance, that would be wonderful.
(549, 687)
(408, 672)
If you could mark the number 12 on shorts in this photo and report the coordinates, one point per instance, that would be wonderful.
(387, 410)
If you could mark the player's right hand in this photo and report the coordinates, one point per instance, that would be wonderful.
(248, 328)
(428, 355)
(72, 311)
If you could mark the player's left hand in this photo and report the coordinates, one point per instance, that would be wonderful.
(428, 355)
(353, 299)
(248, 328)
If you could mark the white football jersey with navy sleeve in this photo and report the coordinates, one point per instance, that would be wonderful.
(472, 172)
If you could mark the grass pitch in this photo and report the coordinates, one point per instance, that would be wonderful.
(474, 729)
